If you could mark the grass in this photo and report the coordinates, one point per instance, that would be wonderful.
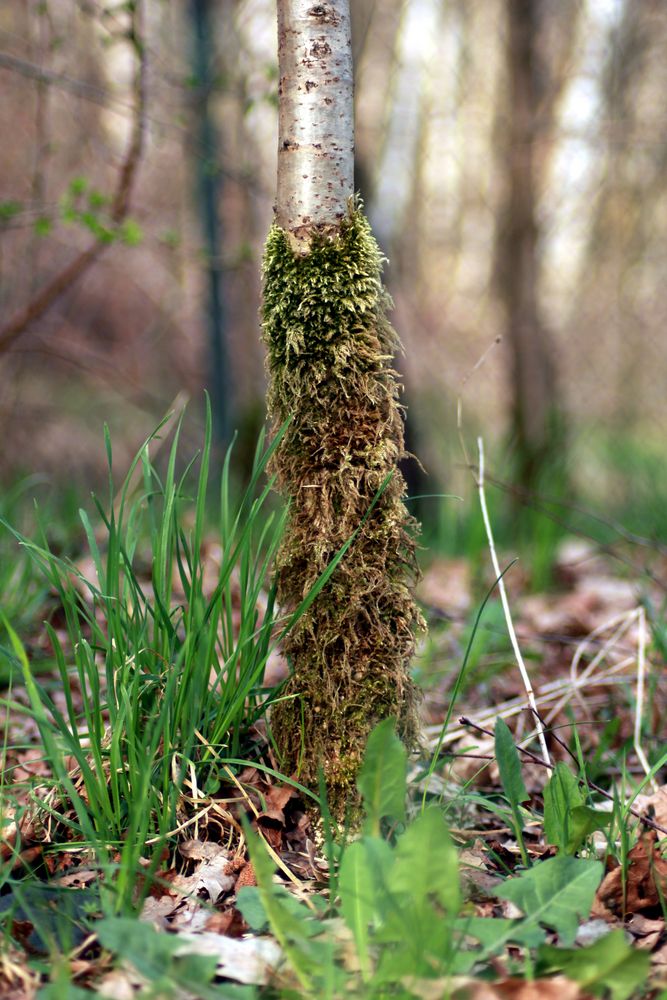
(169, 664)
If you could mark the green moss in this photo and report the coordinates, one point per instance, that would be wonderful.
(330, 347)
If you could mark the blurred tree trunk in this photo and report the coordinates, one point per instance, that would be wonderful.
(375, 31)
(209, 180)
(537, 420)
(624, 209)
(329, 349)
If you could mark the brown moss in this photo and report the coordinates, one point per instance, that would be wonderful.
(330, 347)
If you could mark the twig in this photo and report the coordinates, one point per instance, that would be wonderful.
(639, 707)
(120, 202)
(646, 820)
(505, 603)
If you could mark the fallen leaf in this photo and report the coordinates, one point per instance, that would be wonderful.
(646, 881)
(640, 926)
(556, 988)
(591, 931)
(229, 922)
(654, 805)
(276, 799)
(249, 960)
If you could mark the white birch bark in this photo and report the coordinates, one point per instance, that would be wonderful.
(316, 120)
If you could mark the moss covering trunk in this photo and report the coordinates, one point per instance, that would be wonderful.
(330, 349)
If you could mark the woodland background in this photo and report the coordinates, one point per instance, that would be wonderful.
(511, 158)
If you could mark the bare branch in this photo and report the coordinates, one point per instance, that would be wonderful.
(120, 203)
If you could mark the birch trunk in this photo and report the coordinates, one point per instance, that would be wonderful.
(329, 347)
(316, 118)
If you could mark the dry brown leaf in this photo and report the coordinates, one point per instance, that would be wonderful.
(654, 805)
(640, 926)
(229, 922)
(202, 850)
(646, 881)
(556, 988)
(276, 799)
(466, 988)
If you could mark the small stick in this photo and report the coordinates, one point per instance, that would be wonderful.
(505, 603)
(639, 707)
(646, 820)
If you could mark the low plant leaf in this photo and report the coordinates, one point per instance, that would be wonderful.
(568, 821)
(561, 795)
(509, 765)
(426, 864)
(382, 776)
(153, 954)
(358, 895)
(249, 902)
(610, 965)
(556, 893)
(493, 933)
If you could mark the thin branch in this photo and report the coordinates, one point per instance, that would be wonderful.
(120, 202)
(639, 707)
(646, 820)
(79, 88)
(505, 603)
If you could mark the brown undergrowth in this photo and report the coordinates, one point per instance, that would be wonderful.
(330, 348)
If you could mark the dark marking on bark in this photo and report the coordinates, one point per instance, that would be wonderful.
(325, 14)
(320, 48)
(310, 85)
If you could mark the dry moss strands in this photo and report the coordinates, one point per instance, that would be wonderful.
(330, 347)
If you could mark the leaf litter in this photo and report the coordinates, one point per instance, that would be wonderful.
(194, 902)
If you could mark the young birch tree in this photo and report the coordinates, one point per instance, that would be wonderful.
(330, 347)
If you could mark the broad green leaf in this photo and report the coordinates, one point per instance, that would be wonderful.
(58, 990)
(381, 779)
(426, 864)
(610, 965)
(358, 896)
(586, 821)
(509, 765)
(557, 893)
(561, 795)
(249, 902)
(493, 933)
(567, 819)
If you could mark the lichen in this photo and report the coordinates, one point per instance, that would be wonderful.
(330, 349)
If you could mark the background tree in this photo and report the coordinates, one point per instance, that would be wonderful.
(329, 349)
(535, 76)
(209, 191)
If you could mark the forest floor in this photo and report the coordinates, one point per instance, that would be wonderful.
(558, 844)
